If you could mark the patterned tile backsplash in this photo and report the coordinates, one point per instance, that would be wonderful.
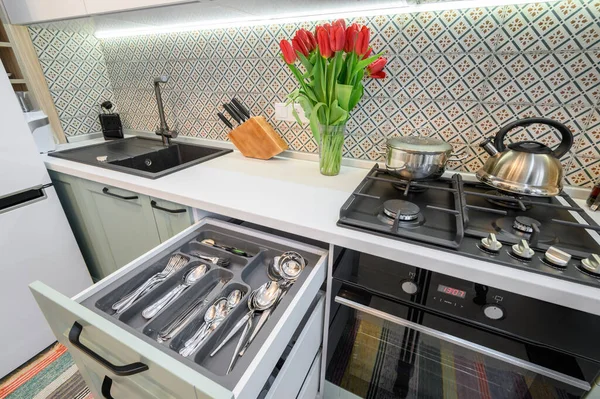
(457, 75)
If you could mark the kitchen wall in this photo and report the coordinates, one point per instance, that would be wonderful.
(456, 75)
(73, 62)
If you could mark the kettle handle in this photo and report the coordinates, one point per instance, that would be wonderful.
(563, 147)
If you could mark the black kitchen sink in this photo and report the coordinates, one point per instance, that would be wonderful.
(141, 156)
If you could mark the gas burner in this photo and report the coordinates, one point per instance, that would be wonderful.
(402, 185)
(505, 226)
(506, 203)
(525, 224)
(407, 210)
(410, 214)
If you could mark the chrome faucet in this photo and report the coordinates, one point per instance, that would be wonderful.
(163, 131)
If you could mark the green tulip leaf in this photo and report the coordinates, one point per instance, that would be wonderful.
(314, 120)
(305, 62)
(318, 84)
(357, 94)
(343, 94)
(337, 115)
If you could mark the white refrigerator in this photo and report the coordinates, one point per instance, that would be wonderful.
(36, 241)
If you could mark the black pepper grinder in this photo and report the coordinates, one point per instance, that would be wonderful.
(593, 200)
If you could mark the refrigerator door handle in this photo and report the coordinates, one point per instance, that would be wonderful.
(22, 198)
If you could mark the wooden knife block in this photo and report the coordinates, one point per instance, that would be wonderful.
(256, 138)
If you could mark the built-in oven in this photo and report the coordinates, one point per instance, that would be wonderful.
(397, 331)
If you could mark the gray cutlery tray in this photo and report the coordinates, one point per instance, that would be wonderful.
(245, 274)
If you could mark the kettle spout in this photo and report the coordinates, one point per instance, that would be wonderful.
(488, 146)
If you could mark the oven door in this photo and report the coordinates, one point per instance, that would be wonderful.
(380, 348)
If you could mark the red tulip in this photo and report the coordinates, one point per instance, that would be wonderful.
(299, 46)
(362, 43)
(311, 38)
(289, 54)
(367, 54)
(337, 38)
(340, 22)
(327, 27)
(323, 42)
(375, 70)
(303, 37)
(351, 36)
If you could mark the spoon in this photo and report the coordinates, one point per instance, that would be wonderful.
(265, 297)
(288, 267)
(209, 316)
(189, 279)
(271, 298)
(222, 308)
(238, 325)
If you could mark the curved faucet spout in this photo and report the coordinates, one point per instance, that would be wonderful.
(163, 131)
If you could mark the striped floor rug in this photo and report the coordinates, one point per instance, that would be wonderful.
(51, 375)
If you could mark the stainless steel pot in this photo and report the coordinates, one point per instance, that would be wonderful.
(417, 158)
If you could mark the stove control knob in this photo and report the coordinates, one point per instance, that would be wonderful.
(490, 243)
(522, 250)
(591, 264)
(557, 257)
(493, 312)
(410, 287)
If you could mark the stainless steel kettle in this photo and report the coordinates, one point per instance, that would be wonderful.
(526, 167)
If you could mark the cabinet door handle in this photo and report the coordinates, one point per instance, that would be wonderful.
(160, 208)
(106, 386)
(121, 371)
(123, 197)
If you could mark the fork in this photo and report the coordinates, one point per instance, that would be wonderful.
(215, 260)
(176, 262)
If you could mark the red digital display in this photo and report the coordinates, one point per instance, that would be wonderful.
(452, 291)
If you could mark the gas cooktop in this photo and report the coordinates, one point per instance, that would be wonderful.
(535, 234)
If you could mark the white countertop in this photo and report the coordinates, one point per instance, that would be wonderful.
(291, 195)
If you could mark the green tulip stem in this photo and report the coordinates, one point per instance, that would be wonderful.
(330, 149)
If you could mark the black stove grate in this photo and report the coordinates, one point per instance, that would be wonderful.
(460, 208)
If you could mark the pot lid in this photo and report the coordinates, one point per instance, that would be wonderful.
(421, 144)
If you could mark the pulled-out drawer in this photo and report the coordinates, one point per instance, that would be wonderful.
(124, 345)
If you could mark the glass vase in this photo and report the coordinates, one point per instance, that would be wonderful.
(331, 143)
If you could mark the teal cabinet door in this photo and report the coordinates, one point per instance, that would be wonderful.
(170, 218)
(122, 224)
(69, 193)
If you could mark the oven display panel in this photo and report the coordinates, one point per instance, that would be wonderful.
(452, 291)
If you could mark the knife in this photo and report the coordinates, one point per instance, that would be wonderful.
(225, 120)
(231, 111)
(241, 107)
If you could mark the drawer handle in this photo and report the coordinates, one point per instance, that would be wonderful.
(106, 386)
(123, 197)
(160, 208)
(121, 371)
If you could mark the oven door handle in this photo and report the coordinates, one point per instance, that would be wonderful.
(467, 344)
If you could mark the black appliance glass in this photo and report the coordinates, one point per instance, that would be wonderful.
(397, 331)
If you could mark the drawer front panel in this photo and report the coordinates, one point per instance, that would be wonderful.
(297, 365)
(310, 388)
(103, 348)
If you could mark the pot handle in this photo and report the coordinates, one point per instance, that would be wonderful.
(563, 147)
(458, 157)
